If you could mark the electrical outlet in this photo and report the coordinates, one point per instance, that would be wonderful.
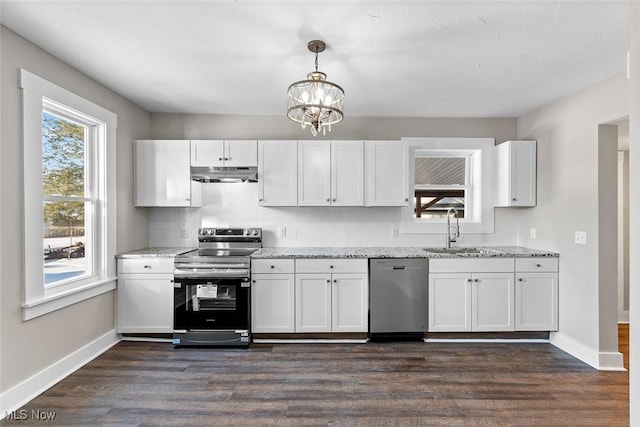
(283, 231)
(394, 232)
(532, 233)
(184, 233)
(580, 238)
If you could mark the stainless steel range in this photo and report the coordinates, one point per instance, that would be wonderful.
(212, 289)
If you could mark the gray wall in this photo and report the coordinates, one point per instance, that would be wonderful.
(569, 172)
(29, 347)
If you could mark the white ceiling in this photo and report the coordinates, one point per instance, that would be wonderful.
(393, 58)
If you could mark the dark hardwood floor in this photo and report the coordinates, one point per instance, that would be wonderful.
(623, 342)
(399, 383)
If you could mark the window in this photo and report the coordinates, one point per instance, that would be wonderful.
(69, 185)
(450, 173)
(441, 181)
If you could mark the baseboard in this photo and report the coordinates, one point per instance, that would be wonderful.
(18, 395)
(307, 341)
(602, 361)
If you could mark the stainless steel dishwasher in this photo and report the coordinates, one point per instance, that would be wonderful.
(398, 298)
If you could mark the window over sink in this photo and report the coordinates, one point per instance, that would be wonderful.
(449, 173)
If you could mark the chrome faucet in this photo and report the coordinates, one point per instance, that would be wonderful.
(452, 237)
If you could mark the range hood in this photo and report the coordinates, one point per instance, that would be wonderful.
(224, 174)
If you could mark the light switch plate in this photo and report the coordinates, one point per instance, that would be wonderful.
(394, 232)
(283, 231)
(532, 233)
(184, 233)
(580, 238)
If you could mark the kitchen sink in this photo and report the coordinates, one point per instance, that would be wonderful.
(460, 250)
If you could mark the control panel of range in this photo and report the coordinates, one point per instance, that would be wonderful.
(230, 232)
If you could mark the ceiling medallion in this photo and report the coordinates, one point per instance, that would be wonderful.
(315, 102)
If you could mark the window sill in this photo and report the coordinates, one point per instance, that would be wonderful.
(60, 300)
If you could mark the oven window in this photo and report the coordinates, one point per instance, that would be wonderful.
(211, 296)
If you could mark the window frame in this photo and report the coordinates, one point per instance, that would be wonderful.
(480, 197)
(38, 299)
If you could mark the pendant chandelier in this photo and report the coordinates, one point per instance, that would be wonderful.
(315, 102)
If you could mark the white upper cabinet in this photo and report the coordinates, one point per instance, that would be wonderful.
(163, 174)
(314, 173)
(215, 152)
(516, 174)
(330, 173)
(386, 173)
(347, 173)
(278, 173)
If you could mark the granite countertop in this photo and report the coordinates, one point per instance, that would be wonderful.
(155, 252)
(402, 252)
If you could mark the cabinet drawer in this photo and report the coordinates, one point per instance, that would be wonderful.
(145, 265)
(537, 264)
(475, 265)
(332, 265)
(272, 265)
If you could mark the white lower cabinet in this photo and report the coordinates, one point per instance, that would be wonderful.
(324, 295)
(332, 295)
(145, 295)
(536, 292)
(272, 296)
(471, 295)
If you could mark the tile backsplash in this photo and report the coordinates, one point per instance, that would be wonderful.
(236, 205)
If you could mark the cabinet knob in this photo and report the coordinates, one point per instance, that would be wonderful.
(147, 266)
(476, 280)
(335, 280)
(538, 265)
(260, 200)
(406, 199)
(334, 200)
(514, 199)
(469, 280)
(328, 199)
(273, 266)
(519, 279)
(253, 281)
(331, 266)
(328, 281)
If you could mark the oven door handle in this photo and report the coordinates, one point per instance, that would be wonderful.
(207, 274)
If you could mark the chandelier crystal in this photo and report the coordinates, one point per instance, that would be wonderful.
(315, 102)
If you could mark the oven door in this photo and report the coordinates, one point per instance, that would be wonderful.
(211, 303)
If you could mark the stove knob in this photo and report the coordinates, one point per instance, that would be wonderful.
(211, 232)
(246, 232)
(203, 231)
(254, 232)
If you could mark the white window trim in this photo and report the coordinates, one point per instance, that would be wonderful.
(481, 221)
(37, 299)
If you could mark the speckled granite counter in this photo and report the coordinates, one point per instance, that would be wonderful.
(403, 252)
(155, 252)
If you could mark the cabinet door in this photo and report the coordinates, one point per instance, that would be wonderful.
(347, 173)
(145, 303)
(492, 302)
(278, 173)
(314, 173)
(163, 173)
(523, 176)
(241, 153)
(449, 302)
(536, 301)
(386, 173)
(207, 152)
(515, 174)
(272, 303)
(313, 303)
(349, 303)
